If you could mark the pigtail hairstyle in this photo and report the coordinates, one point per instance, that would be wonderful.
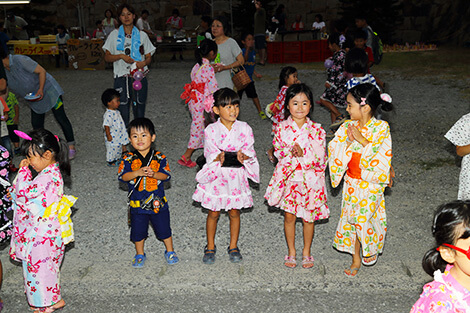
(293, 91)
(285, 73)
(451, 222)
(369, 94)
(203, 50)
(43, 140)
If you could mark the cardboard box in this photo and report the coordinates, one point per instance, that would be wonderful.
(86, 54)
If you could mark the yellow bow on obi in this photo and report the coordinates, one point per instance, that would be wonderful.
(63, 211)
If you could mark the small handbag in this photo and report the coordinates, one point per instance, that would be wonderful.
(240, 78)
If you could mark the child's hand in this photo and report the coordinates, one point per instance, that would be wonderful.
(109, 137)
(327, 85)
(220, 158)
(146, 171)
(241, 157)
(297, 151)
(355, 134)
(24, 162)
(392, 176)
(4, 117)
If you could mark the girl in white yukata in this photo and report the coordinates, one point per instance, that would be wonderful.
(199, 97)
(223, 181)
(41, 223)
(362, 152)
(298, 182)
(459, 135)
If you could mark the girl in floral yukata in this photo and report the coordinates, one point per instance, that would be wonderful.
(198, 96)
(448, 261)
(298, 182)
(41, 223)
(223, 181)
(361, 151)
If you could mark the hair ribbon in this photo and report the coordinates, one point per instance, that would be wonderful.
(363, 101)
(23, 135)
(386, 97)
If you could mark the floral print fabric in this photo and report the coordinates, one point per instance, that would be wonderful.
(459, 135)
(337, 79)
(37, 238)
(363, 206)
(298, 184)
(225, 188)
(277, 107)
(5, 203)
(443, 295)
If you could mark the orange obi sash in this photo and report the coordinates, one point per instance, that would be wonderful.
(353, 166)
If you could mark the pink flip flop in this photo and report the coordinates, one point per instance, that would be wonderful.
(188, 163)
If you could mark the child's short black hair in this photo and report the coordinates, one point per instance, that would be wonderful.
(98, 22)
(245, 34)
(293, 91)
(356, 61)
(145, 11)
(360, 34)
(225, 96)
(207, 19)
(108, 96)
(141, 123)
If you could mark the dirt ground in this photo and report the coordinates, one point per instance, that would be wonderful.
(97, 275)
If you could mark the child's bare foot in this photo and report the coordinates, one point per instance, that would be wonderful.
(354, 268)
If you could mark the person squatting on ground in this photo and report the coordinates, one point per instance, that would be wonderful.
(129, 50)
(145, 170)
(42, 224)
(459, 135)
(448, 262)
(223, 180)
(298, 182)
(115, 134)
(249, 55)
(334, 96)
(361, 152)
(276, 110)
(199, 97)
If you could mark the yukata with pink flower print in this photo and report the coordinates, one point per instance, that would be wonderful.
(37, 234)
(298, 183)
(225, 188)
(5, 201)
(198, 95)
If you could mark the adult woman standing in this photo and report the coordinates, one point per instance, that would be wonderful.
(24, 75)
(125, 47)
(109, 22)
(229, 53)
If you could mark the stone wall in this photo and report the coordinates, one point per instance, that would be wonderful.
(440, 21)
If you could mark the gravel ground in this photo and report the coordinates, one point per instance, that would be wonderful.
(96, 272)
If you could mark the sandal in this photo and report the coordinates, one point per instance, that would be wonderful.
(234, 255)
(171, 257)
(290, 261)
(371, 262)
(307, 261)
(209, 255)
(139, 260)
(339, 120)
(351, 270)
(188, 163)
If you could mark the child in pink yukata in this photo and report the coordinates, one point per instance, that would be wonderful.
(275, 110)
(298, 182)
(448, 261)
(41, 223)
(223, 181)
(198, 96)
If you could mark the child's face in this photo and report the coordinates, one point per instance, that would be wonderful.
(355, 110)
(114, 104)
(460, 259)
(299, 107)
(249, 41)
(228, 114)
(360, 23)
(359, 43)
(333, 47)
(292, 79)
(100, 25)
(39, 162)
(141, 140)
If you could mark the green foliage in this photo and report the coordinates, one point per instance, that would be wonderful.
(244, 11)
(382, 15)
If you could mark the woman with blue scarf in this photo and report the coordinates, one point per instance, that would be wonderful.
(124, 47)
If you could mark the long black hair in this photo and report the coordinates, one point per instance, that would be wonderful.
(284, 75)
(293, 91)
(205, 47)
(43, 140)
(372, 97)
(451, 223)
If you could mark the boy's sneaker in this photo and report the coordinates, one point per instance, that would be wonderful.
(171, 257)
(72, 154)
(262, 115)
(139, 260)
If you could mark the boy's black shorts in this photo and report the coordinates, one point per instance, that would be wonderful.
(250, 91)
